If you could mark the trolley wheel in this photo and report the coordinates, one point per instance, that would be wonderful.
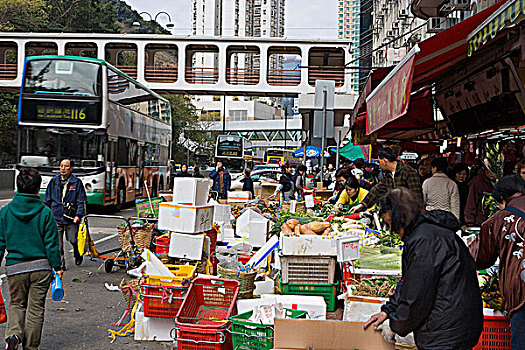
(108, 265)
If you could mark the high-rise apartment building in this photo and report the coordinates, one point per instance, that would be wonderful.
(349, 27)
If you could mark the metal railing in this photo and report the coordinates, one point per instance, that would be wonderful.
(329, 73)
(243, 76)
(282, 77)
(202, 75)
(157, 74)
(129, 70)
(8, 71)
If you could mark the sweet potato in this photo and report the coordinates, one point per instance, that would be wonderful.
(309, 233)
(297, 230)
(318, 226)
(303, 229)
(292, 223)
(327, 231)
(286, 230)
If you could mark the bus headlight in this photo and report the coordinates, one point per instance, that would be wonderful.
(88, 187)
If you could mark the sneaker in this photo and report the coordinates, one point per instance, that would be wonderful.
(11, 343)
(78, 260)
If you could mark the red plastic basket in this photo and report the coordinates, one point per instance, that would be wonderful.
(162, 301)
(162, 245)
(495, 335)
(192, 338)
(209, 303)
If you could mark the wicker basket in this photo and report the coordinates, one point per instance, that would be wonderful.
(142, 237)
(246, 280)
(126, 289)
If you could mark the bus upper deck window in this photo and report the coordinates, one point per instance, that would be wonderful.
(64, 67)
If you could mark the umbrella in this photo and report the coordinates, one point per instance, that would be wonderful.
(311, 152)
(353, 152)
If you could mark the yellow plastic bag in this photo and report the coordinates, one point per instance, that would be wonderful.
(82, 238)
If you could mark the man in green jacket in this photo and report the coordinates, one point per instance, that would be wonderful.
(28, 232)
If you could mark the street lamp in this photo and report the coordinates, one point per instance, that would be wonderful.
(169, 25)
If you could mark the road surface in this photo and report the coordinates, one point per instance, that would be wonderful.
(82, 318)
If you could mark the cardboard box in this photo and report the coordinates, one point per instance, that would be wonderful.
(267, 189)
(319, 185)
(191, 191)
(239, 196)
(254, 227)
(184, 246)
(327, 335)
(308, 245)
(184, 218)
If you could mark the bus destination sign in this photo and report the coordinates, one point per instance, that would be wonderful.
(63, 112)
(229, 153)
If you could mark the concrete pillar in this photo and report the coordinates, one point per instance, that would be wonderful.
(263, 70)
(141, 53)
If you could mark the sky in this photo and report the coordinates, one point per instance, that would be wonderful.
(304, 18)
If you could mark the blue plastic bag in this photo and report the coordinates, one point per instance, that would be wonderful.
(57, 290)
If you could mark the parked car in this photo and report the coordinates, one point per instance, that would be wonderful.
(258, 176)
(265, 167)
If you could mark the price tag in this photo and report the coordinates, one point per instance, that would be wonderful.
(348, 248)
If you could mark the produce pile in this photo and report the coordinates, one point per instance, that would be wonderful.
(380, 258)
(292, 227)
(490, 292)
(380, 287)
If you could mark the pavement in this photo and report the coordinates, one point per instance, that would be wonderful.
(82, 318)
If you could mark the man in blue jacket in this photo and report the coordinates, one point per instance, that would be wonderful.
(221, 180)
(66, 197)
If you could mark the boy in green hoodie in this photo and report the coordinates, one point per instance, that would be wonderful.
(28, 232)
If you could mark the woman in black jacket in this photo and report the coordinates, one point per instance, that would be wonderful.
(438, 297)
(286, 184)
(460, 174)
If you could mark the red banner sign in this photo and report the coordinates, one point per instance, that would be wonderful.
(391, 100)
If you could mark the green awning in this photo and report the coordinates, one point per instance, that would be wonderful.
(353, 152)
(506, 16)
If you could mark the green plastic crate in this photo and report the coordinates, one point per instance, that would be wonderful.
(326, 290)
(254, 336)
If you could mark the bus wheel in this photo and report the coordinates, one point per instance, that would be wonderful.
(121, 196)
(154, 188)
(161, 184)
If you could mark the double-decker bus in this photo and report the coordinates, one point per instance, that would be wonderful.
(279, 156)
(116, 131)
(235, 152)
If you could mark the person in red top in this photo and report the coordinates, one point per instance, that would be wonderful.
(503, 236)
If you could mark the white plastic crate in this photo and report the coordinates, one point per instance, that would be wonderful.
(308, 269)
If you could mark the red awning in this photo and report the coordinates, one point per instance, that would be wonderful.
(432, 59)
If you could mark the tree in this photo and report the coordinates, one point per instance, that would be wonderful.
(8, 126)
(22, 15)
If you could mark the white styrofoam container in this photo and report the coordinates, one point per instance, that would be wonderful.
(191, 191)
(184, 218)
(254, 227)
(308, 245)
(222, 213)
(239, 196)
(184, 246)
(152, 328)
(315, 305)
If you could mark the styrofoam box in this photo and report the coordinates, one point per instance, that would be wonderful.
(151, 328)
(254, 227)
(184, 218)
(308, 245)
(184, 246)
(239, 196)
(190, 191)
(315, 305)
(222, 213)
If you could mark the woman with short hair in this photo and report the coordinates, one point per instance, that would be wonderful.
(438, 297)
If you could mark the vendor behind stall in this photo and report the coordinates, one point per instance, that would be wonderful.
(352, 195)
(286, 184)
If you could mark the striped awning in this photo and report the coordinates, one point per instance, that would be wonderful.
(508, 15)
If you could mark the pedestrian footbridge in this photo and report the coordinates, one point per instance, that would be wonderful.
(193, 65)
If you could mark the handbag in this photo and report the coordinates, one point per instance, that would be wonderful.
(3, 313)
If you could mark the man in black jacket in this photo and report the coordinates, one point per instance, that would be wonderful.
(438, 297)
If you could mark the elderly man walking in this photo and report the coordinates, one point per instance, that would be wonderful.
(66, 197)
